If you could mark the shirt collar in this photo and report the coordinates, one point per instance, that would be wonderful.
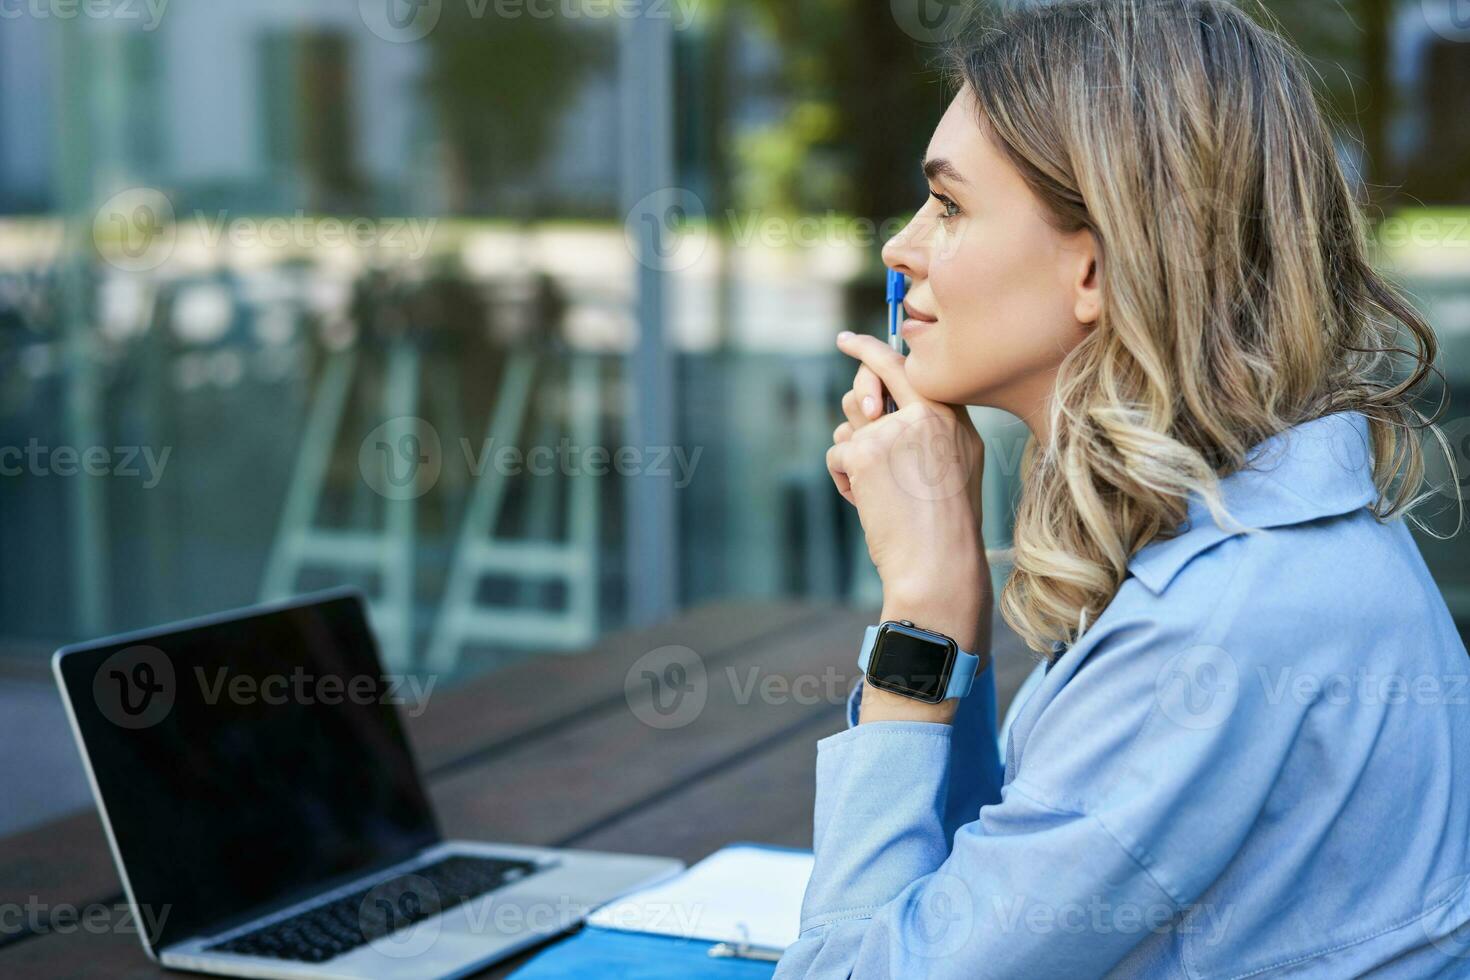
(1316, 469)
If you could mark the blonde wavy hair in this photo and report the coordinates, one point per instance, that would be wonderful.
(1238, 295)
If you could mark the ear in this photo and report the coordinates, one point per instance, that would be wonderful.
(1086, 277)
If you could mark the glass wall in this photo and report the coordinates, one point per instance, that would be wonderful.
(295, 294)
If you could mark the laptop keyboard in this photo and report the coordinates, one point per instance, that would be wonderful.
(333, 928)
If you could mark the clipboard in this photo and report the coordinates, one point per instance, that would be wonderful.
(709, 921)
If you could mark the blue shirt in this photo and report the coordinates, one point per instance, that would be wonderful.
(1255, 762)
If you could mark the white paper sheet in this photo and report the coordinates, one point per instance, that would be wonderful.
(736, 895)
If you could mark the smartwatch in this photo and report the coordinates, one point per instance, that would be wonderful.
(916, 663)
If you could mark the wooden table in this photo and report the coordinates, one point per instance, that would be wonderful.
(553, 752)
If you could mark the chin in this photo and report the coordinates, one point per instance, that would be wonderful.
(947, 382)
(938, 382)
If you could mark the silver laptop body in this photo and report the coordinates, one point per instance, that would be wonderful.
(269, 821)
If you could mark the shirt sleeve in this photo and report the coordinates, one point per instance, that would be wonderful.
(1123, 807)
(975, 768)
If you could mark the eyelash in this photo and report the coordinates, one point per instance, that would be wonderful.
(951, 209)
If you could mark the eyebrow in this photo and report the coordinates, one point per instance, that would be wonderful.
(937, 167)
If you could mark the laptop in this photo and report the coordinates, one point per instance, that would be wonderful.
(267, 817)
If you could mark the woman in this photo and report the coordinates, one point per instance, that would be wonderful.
(1248, 752)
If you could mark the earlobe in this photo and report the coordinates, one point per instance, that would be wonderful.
(1088, 309)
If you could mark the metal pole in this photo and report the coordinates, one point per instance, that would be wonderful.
(645, 69)
(88, 519)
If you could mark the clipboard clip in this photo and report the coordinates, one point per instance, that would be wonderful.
(743, 950)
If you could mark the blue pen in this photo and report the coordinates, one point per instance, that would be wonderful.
(898, 287)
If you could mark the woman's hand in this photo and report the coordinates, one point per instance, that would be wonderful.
(914, 476)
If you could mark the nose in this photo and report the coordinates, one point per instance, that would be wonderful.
(906, 252)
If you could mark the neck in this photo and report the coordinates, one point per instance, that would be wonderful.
(1031, 403)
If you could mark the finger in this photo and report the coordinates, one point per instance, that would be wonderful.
(883, 360)
(962, 415)
(869, 392)
(842, 433)
(839, 476)
(854, 412)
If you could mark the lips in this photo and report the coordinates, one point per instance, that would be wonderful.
(915, 313)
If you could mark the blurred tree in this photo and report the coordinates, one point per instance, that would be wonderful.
(862, 97)
(499, 86)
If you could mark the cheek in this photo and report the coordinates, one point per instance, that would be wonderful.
(1003, 316)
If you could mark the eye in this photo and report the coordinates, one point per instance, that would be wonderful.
(951, 209)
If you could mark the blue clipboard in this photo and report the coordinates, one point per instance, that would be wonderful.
(598, 952)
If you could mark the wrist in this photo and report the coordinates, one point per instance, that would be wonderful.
(966, 620)
(961, 612)
(880, 705)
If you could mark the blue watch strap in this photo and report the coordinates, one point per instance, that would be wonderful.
(961, 678)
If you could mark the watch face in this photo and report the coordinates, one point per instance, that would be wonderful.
(912, 662)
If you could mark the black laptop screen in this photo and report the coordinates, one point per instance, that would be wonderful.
(242, 762)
